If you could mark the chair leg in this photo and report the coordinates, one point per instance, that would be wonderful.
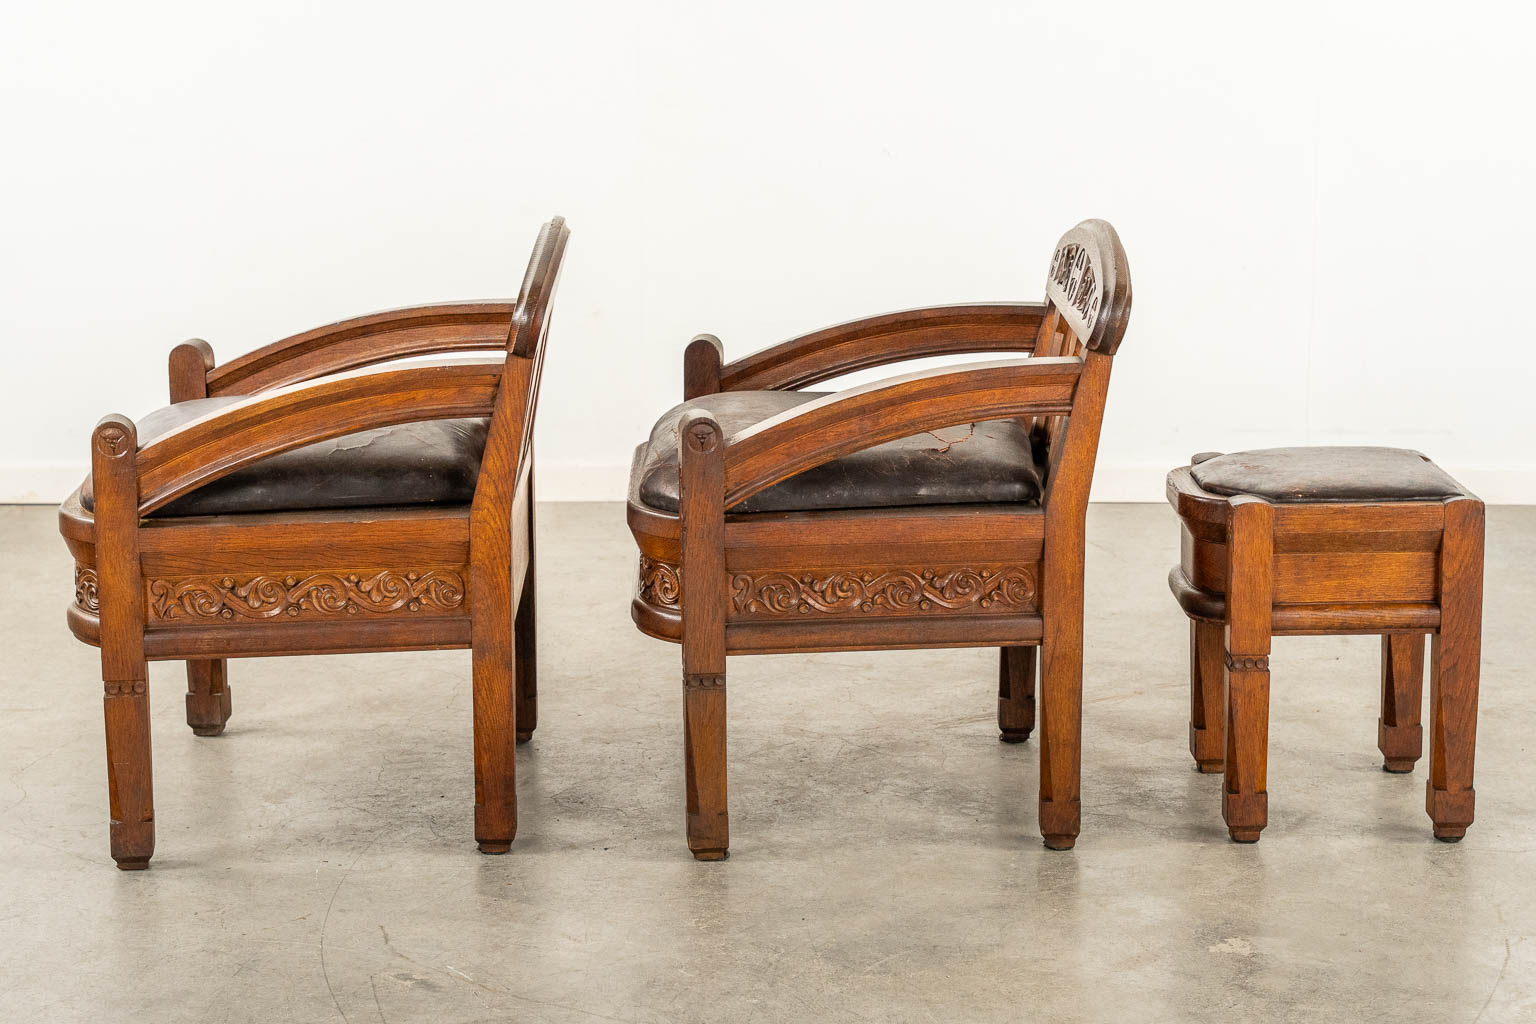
(495, 708)
(709, 834)
(130, 775)
(1207, 713)
(1015, 693)
(495, 743)
(701, 506)
(1454, 656)
(526, 662)
(207, 696)
(1250, 559)
(1061, 711)
(1399, 736)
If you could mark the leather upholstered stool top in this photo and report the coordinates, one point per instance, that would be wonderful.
(1336, 473)
(432, 462)
(981, 463)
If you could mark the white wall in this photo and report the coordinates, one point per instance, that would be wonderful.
(1327, 207)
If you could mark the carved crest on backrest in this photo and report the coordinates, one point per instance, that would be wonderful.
(1072, 271)
(1090, 285)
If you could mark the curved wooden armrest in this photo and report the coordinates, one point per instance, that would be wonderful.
(849, 421)
(888, 338)
(277, 421)
(363, 341)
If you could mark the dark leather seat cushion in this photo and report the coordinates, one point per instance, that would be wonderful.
(1326, 474)
(430, 463)
(983, 462)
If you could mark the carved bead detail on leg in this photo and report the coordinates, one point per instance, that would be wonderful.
(1245, 798)
(1207, 713)
(208, 697)
(1016, 693)
(1399, 736)
(130, 775)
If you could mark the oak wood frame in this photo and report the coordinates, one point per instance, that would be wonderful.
(1251, 569)
(204, 589)
(1007, 576)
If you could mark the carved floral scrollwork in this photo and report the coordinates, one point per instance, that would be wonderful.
(660, 583)
(85, 589)
(897, 591)
(323, 593)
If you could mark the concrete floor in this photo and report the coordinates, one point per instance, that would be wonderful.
(315, 863)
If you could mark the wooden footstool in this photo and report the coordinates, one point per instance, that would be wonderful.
(1303, 541)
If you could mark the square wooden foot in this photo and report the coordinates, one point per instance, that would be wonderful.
(1450, 812)
(1246, 814)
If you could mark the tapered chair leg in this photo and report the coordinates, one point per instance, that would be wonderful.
(208, 703)
(1207, 712)
(1399, 736)
(1061, 709)
(1455, 655)
(492, 646)
(130, 775)
(495, 743)
(1250, 560)
(709, 835)
(1016, 694)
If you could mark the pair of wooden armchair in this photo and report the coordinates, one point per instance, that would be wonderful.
(936, 509)
(268, 511)
(287, 504)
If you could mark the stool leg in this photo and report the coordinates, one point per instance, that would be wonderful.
(1250, 557)
(208, 703)
(1399, 736)
(1015, 694)
(1455, 656)
(1207, 713)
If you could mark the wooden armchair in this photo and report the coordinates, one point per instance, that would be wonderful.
(271, 512)
(936, 509)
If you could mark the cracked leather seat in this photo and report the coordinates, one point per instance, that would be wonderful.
(435, 462)
(979, 463)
